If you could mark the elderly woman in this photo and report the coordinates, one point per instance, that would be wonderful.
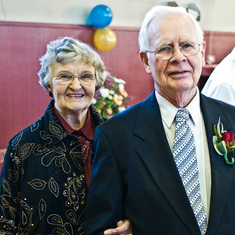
(47, 167)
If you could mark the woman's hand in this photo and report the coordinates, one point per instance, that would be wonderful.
(122, 228)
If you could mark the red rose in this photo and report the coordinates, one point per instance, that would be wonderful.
(228, 137)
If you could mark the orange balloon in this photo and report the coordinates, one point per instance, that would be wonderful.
(105, 39)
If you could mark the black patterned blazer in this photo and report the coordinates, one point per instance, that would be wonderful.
(42, 184)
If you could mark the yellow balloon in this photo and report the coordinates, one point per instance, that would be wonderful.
(105, 39)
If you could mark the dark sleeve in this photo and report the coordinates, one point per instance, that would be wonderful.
(104, 204)
(10, 191)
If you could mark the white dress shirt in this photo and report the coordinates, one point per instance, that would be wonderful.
(196, 123)
(221, 83)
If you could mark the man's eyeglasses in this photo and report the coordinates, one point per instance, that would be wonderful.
(67, 77)
(166, 51)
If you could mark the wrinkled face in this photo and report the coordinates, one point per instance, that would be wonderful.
(180, 73)
(74, 96)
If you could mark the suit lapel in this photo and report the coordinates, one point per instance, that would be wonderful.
(157, 157)
(221, 173)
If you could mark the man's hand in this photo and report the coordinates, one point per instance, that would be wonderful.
(122, 228)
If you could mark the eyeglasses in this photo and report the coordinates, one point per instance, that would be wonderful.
(166, 51)
(67, 77)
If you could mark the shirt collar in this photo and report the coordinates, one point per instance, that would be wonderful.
(194, 108)
(88, 128)
(168, 110)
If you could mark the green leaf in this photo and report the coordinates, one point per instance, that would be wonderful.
(231, 148)
(227, 161)
(215, 139)
(221, 148)
(215, 130)
(220, 125)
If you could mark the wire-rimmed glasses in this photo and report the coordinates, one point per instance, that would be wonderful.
(65, 77)
(166, 50)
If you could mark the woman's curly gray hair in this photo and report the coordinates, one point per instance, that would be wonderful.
(65, 50)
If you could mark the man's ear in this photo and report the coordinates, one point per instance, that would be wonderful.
(203, 53)
(144, 59)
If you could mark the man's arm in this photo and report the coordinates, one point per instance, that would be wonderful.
(104, 203)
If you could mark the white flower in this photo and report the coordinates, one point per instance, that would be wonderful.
(106, 73)
(104, 92)
(119, 80)
(110, 97)
(94, 101)
(121, 87)
(111, 92)
(120, 109)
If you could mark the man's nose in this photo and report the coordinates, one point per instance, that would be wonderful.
(177, 54)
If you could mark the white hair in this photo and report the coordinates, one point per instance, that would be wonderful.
(159, 12)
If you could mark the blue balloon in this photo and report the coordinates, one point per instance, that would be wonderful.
(100, 16)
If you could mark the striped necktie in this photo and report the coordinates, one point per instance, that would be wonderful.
(184, 153)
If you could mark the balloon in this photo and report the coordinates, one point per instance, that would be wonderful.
(100, 16)
(105, 39)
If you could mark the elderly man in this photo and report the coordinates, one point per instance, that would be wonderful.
(155, 163)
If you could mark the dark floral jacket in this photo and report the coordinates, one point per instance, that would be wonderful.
(42, 184)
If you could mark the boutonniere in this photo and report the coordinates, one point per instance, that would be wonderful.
(223, 142)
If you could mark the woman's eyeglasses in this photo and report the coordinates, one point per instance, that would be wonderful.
(67, 77)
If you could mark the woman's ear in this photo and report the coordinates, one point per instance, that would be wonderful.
(50, 91)
(144, 59)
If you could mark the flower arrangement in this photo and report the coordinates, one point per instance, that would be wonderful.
(223, 142)
(112, 97)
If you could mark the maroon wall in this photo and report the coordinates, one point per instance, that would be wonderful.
(219, 44)
(23, 100)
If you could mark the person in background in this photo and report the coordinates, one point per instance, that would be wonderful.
(221, 83)
(155, 163)
(47, 167)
